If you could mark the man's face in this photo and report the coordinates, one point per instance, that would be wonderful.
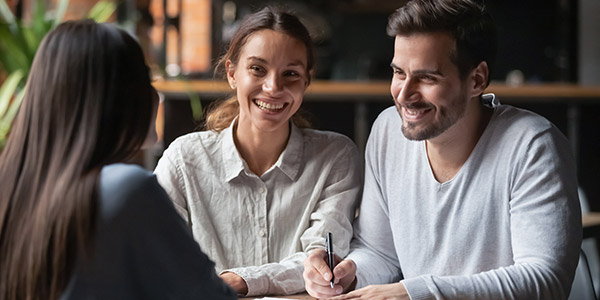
(428, 92)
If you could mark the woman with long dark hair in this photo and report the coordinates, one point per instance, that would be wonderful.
(75, 222)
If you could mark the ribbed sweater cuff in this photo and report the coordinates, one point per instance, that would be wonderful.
(417, 289)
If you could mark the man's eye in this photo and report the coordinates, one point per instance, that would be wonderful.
(291, 73)
(398, 72)
(428, 78)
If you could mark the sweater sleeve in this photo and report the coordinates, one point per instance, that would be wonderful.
(545, 224)
(334, 212)
(372, 248)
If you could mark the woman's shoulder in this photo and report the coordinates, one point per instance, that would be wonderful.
(197, 137)
(194, 144)
(328, 143)
(123, 186)
(123, 177)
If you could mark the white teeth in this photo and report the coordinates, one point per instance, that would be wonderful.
(269, 106)
(411, 112)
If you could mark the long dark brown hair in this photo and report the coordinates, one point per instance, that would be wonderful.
(220, 114)
(87, 104)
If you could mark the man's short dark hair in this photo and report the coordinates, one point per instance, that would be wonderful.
(467, 21)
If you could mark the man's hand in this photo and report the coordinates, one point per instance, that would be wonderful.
(317, 275)
(392, 291)
(236, 282)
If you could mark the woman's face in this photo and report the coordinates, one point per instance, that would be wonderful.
(270, 79)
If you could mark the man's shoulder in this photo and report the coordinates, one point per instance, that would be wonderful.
(389, 118)
(389, 114)
(518, 116)
(516, 121)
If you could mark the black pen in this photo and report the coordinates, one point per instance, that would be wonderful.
(330, 256)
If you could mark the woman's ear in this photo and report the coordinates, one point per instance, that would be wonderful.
(479, 77)
(230, 70)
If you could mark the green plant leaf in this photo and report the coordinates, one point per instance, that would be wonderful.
(38, 18)
(6, 13)
(196, 106)
(11, 49)
(195, 103)
(102, 11)
(31, 40)
(6, 120)
(7, 90)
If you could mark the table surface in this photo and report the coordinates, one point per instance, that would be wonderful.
(302, 296)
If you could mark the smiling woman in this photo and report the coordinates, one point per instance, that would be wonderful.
(258, 188)
(270, 79)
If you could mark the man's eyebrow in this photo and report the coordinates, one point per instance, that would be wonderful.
(428, 72)
(298, 63)
(420, 72)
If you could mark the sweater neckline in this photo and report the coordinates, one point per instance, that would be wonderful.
(467, 165)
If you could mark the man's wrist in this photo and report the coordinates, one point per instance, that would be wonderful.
(352, 285)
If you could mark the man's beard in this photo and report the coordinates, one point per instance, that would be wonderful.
(445, 117)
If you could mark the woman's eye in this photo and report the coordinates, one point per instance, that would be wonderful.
(256, 69)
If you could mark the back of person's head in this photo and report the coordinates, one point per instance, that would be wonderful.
(467, 21)
(88, 103)
(273, 18)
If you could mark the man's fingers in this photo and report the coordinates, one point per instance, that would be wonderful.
(317, 275)
(343, 269)
(316, 260)
(313, 275)
(322, 291)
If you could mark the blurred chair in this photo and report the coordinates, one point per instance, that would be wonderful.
(590, 247)
(583, 286)
(586, 282)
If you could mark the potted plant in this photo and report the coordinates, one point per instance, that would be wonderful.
(19, 42)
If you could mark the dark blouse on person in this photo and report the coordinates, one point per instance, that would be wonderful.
(142, 249)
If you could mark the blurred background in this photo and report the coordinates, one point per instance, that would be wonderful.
(548, 61)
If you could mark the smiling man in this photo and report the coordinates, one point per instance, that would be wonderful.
(463, 198)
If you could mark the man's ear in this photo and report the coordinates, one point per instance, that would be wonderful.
(479, 79)
(230, 70)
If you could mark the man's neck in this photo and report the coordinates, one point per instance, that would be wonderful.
(449, 151)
